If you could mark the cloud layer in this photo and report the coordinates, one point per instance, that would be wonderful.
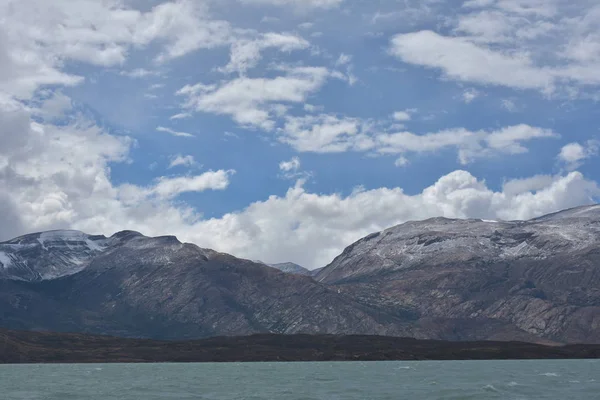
(280, 70)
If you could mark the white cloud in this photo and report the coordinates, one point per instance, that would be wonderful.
(299, 4)
(509, 140)
(343, 59)
(37, 37)
(180, 116)
(312, 229)
(47, 183)
(139, 73)
(544, 8)
(573, 154)
(325, 134)
(548, 45)
(212, 180)
(185, 161)
(174, 132)
(514, 187)
(167, 188)
(463, 60)
(402, 115)
(470, 145)
(56, 105)
(245, 53)
(58, 176)
(470, 94)
(478, 3)
(509, 105)
(401, 162)
(255, 102)
(290, 166)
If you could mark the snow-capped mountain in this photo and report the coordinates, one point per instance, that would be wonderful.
(132, 285)
(536, 280)
(49, 255)
(444, 241)
(540, 276)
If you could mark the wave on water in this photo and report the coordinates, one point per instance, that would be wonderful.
(549, 374)
(490, 388)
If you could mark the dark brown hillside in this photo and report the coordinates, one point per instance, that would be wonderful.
(32, 347)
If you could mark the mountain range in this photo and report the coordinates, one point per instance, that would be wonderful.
(445, 279)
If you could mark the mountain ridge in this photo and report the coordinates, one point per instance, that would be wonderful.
(541, 275)
(447, 279)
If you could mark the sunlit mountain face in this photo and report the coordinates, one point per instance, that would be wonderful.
(284, 130)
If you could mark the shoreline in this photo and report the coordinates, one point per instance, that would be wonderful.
(19, 347)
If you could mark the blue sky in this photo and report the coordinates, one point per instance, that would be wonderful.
(284, 130)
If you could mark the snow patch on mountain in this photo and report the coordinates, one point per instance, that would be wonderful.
(442, 241)
(5, 260)
(50, 255)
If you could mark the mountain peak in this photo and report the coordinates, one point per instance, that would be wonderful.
(590, 212)
(126, 235)
(291, 268)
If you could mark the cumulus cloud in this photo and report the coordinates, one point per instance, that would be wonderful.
(470, 145)
(573, 155)
(466, 61)
(246, 53)
(55, 168)
(65, 183)
(54, 105)
(167, 188)
(325, 134)
(524, 44)
(299, 4)
(58, 176)
(255, 102)
(402, 115)
(343, 59)
(184, 161)
(290, 166)
(401, 162)
(38, 37)
(312, 229)
(470, 94)
(291, 170)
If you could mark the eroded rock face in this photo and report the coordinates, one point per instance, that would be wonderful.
(541, 277)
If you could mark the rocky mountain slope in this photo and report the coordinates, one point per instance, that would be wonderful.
(539, 277)
(134, 286)
(535, 281)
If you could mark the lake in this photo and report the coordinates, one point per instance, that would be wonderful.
(557, 380)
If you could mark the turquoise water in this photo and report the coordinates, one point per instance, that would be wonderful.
(558, 380)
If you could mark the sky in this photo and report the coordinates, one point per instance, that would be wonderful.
(285, 130)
